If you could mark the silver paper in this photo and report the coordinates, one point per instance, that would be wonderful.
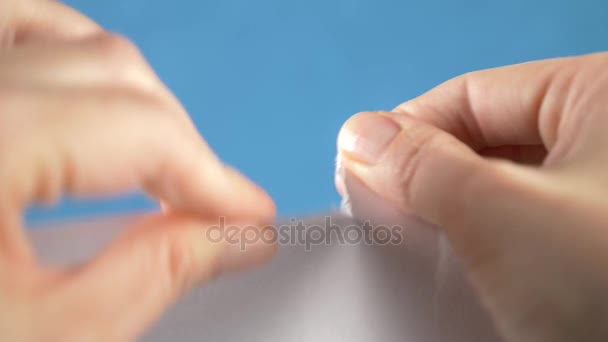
(336, 292)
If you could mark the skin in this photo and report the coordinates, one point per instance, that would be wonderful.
(82, 113)
(511, 164)
(508, 162)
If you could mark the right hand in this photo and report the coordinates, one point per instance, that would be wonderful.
(532, 226)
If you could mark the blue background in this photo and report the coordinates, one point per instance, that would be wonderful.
(270, 82)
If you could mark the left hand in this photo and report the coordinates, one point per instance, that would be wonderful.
(81, 112)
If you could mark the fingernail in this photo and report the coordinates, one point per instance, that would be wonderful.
(365, 136)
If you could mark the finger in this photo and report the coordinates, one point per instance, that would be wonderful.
(42, 20)
(99, 60)
(104, 59)
(421, 169)
(145, 270)
(516, 105)
(504, 220)
(522, 154)
(103, 142)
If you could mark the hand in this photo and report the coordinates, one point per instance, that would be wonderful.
(34, 21)
(511, 164)
(82, 113)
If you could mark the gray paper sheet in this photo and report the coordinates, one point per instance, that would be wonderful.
(414, 291)
(336, 292)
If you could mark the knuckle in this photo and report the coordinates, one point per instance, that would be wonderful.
(118, 50)
(420, 145)
(122, 60)
(116, 43)
(177, 264)
(128, 68)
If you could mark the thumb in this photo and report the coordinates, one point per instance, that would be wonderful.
(427, 172)
(147, 268)
(529, 244)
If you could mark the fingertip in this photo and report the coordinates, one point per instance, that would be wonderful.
(209, 189)
(256, 203)
(411, 164)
